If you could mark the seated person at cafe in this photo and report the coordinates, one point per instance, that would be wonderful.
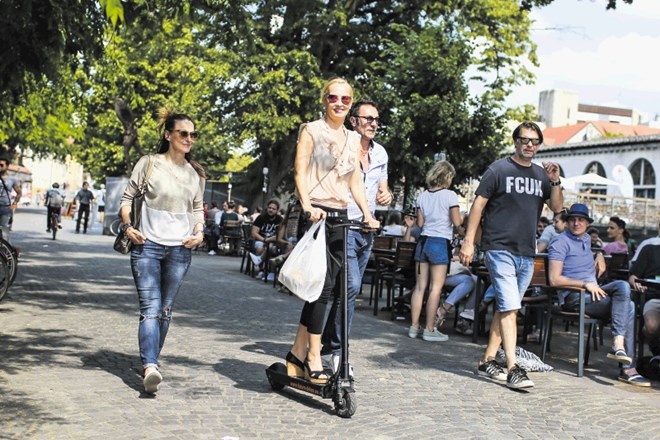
(647, 266)
(616, 230)
(288, 234)
(264, 230)
(596, 242)
(551, 231)
(648, 241)
(394, 227)
(571, 264)
(232, 233)
(211, 229)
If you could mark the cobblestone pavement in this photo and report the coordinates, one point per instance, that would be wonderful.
(69, 366)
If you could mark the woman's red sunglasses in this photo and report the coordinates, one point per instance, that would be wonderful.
(346, 100)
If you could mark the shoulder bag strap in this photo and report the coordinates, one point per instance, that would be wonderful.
(145, 182)
(6, 190)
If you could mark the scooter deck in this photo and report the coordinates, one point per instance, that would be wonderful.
(277, 374)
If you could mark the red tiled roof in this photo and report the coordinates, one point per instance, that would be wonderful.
(612, 128)
(561, 135)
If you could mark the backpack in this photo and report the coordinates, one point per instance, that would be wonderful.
(55, 199)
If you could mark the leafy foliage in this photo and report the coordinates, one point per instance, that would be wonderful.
(249, 73)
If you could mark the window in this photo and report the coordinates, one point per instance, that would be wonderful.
(644, 180)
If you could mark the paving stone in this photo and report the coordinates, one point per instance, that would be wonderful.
(69, 365)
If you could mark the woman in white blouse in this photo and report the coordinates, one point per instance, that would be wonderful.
(171, 224)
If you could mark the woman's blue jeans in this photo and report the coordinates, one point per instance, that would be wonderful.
(158, 272)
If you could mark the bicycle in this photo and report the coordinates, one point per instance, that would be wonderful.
(8, 264)
(5, 278)
(54, 223)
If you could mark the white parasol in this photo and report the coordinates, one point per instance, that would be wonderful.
(588, 179)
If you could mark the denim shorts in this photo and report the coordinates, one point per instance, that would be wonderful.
(432, 250)
(510, 276)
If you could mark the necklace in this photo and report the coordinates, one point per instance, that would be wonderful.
(178, 171)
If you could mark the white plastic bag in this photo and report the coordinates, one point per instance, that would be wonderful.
(304, 270)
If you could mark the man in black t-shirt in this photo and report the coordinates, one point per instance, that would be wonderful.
(264, 228)
(510, 199)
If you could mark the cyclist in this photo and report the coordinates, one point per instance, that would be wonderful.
(54, 200)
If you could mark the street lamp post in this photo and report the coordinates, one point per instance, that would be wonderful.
(229, 175)
(265, 187)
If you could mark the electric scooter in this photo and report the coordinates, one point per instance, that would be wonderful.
(340, 385)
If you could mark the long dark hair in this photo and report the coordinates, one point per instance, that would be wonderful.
(167, 121)
(622, 225)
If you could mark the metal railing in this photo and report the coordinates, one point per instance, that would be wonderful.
(636, 212)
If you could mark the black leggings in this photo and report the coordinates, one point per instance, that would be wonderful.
(313, 313)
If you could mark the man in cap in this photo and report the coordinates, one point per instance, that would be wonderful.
(571, 264)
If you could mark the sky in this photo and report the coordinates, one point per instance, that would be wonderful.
(609, 57)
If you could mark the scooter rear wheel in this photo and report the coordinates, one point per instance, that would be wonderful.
(346, 405)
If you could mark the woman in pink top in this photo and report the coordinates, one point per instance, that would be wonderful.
(326, 171)
(616, 230)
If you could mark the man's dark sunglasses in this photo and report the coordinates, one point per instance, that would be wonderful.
(370, 119)
(525, 141)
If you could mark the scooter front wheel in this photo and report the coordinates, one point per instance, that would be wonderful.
(280, 368)
(346, 405)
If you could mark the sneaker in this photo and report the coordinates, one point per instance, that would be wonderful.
(434, 336)
(414, 332)
(463, 327)
(211, 252)
(271, 277)
(492, 370)
(255, 259)
(48, 230)
(260, 275)
(517, 379)
(152, 380)
(59, 226)
(467, 314)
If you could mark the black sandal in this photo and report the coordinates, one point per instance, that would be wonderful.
(294, 366)
(319, 377)
(439, 320)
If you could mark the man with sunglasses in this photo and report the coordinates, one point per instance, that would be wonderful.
(510, 199)
(6, 206)
(364, 119)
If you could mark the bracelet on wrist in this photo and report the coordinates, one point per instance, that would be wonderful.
(557, 183)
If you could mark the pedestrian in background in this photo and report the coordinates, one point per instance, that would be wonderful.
(171, 224)
(84, 198)
(437, 214)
